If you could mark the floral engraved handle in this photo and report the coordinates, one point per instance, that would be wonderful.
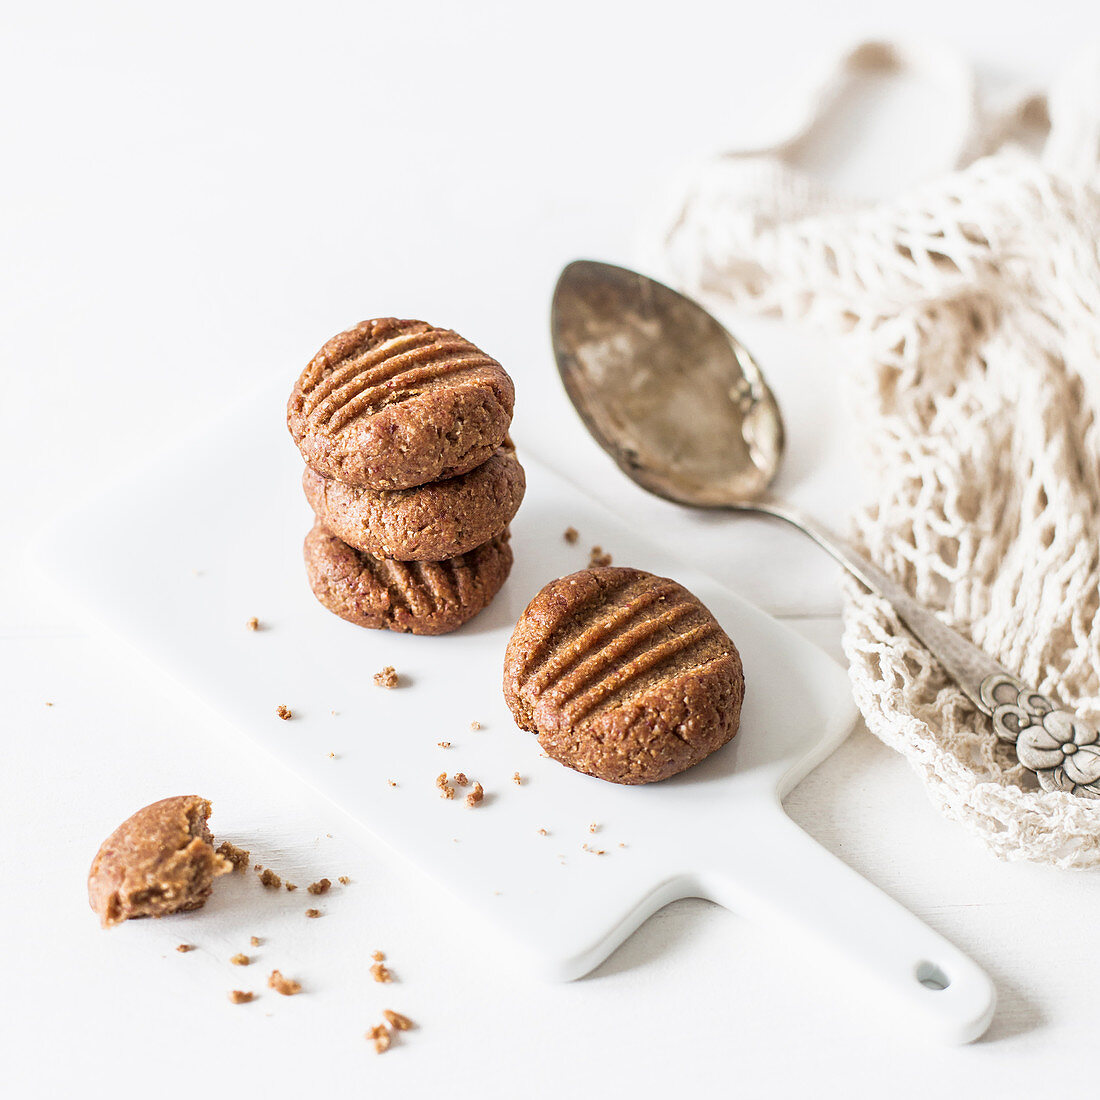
(1062, 749)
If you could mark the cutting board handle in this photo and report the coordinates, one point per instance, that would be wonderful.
(789, 882)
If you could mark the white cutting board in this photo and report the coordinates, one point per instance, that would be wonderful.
(178, 559)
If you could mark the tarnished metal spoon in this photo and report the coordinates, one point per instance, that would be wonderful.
(685, 412)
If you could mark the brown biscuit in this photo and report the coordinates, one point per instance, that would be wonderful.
(623, 675)
(427, 523)
(159, 861)
(419, 597)
(390, 404)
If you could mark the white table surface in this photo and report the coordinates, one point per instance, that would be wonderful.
(193, 199)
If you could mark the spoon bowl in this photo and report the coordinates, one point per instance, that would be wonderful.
(677, 402)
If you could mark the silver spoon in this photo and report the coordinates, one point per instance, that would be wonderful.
(683, 409)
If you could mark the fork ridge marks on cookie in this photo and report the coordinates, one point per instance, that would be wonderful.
(411, 597)
(392, 404)
(630, 632)
(436, 364)
(424, 588)
(609, 611)
(357, 351)
(379, 362)
(626, 661)
(545, 630)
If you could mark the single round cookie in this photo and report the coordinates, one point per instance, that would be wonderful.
(427, 523)
(417, 597)
(623, 675)
(160, 860)
(390, 404)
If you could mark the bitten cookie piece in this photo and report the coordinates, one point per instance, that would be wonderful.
(419, 597)
(390, 404)
(425, 523)
(623, 675)
(159, 861)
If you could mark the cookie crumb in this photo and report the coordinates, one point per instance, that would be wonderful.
(286, 986)
(184, 947)
(283, 712)
(239, 960)
(343, 880)
(476, 795)
(543, 832)
(239, 997)
(517, 779)
(381, 973)
(594, 851)
(446, 791)
(473, 725)
(378, 956)
(443, 744)
(571, 534)
(291, 887)
(269, 879)
(313, 912)
(255, 941)
(321, 887)
(253, 623)
(387, 678)
(461, 780)
(391, 782)
(49, 704)
(397, 1021)
(597, 558)
(237, 856)
(381, 1037)
(594, 827)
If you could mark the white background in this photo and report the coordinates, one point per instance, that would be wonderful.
(193, 198)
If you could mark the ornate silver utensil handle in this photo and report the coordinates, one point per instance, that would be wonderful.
(1062, 749)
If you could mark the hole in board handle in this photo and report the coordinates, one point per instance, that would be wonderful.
(932, 977)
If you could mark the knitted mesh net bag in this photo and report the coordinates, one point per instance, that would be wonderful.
(970, 312)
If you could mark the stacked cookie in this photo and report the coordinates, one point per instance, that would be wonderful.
(410, 473)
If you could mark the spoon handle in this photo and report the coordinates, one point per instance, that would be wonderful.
(1062, 748)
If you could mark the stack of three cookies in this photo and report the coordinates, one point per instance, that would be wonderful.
(410, 473)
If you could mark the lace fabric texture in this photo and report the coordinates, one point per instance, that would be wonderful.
(970, 310)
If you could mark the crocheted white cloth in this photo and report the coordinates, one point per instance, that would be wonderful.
(971, 313)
